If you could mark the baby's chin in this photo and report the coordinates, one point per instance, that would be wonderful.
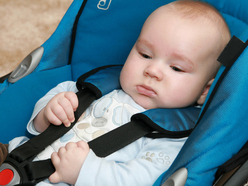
(146, 104)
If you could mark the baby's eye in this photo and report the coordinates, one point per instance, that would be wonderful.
(176, 69)
(145, 56)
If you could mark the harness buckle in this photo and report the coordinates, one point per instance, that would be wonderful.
(9, 175)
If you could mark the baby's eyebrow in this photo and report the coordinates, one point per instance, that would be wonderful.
(183, 58)
(145, 42)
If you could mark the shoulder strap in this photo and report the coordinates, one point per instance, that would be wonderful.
(170, 123)
(53, 132)
(20, 159)
(119, 138)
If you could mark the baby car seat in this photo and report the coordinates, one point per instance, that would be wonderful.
(102, 32)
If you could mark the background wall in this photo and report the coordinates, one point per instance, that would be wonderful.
(24, 26)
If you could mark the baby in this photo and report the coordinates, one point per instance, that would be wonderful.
(172, 65)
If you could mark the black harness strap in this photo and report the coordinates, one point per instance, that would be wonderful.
(119, 138)
(231, 52)
(21, 157)
(39, 170)
(101, 146)
(34, 172)
(53, 132)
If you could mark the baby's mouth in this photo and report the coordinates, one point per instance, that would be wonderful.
(146, 90)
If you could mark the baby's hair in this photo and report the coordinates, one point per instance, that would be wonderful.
(197, 10)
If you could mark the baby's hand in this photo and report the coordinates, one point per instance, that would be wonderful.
(60, 109)
(68, 162)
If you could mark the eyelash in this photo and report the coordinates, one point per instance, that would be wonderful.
(176, 69)
(145, 56)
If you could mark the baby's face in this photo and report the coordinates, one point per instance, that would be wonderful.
(171, 62)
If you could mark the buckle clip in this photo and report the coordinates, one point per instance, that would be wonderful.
(9, 175)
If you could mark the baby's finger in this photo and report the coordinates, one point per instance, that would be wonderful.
(70, 145)
(55, 178)
(84, 145)
(72, 97)
(51, 117)
(61, 152)
(59, 112)
(68, 113)
(55, 159)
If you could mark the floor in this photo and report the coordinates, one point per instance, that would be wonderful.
(24, 26)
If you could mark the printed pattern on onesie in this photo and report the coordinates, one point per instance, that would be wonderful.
(104, 115)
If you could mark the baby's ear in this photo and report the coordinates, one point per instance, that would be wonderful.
(204, 94)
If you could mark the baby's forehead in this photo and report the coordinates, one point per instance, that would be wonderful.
(164, 14)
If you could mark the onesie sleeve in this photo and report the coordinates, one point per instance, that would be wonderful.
(152, 159)
(62, 87)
